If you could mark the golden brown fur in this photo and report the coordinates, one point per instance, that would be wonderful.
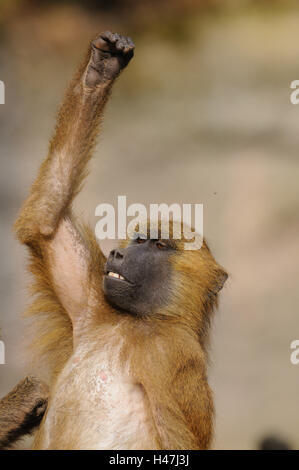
(160, 359)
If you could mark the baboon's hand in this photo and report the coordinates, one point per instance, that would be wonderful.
(36, 395)
(29, 399)
(110, 53)
(22, 410)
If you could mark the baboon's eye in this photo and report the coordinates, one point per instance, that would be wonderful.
(140, 240)
(161, 245)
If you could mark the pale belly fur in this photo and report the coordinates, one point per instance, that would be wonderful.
(95, 405)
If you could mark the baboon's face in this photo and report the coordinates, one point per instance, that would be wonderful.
(138, 277)
(158, 276)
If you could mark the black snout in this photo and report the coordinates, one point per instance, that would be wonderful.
(144, 281)
(115, 261)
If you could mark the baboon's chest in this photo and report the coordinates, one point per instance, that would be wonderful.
(97, 405)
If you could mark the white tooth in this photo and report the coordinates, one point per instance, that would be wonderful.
(122, 278)
(117, 276)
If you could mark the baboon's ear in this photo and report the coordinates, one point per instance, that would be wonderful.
(220, 280)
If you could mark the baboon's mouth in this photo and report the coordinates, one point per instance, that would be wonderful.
(117, 276)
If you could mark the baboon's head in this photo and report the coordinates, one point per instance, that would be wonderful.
(159, 276)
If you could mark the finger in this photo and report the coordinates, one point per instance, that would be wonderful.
(101, 43)
(110, 36)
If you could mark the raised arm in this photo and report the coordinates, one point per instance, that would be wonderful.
(62, 254)
(64, 169)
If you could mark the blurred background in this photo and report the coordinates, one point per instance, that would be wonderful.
(202, 115)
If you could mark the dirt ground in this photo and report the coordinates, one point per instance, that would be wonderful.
(204, 118)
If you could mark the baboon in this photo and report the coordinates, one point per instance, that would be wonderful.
(125, 338)
(22, 410)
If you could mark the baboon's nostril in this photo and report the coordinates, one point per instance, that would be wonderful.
(118, 254)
